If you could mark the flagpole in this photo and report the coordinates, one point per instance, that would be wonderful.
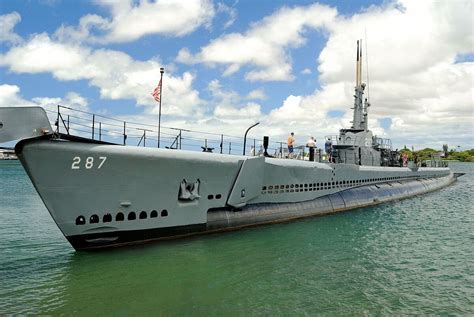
(162, 70)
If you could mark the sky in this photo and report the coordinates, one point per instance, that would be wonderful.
(289, 65)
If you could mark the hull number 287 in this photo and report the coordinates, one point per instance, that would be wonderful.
(88, 163)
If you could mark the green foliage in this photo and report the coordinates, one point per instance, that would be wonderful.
(464, 156)
(428, 153)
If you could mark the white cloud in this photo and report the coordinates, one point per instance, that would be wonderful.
(257, 94)
(7, 23)
(306, 71)
(229, 106)
(67, 33)
(116, 74)
(40, 54)
(130, 20)
(265, 45)
(228, 112)
(230, 11)
(414, 79)
(9, 97)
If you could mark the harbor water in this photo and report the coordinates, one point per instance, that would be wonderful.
(414, 256)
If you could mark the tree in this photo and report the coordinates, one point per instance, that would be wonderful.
(445, 150)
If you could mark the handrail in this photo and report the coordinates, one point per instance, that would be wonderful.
(102, 127)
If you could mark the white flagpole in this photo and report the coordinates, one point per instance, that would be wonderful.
(162, 70)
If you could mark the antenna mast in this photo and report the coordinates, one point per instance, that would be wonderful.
(367, 66)
(359, 121)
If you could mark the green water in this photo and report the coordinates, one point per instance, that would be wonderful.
(414, 256)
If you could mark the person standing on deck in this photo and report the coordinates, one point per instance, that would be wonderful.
(328, 149)
(291, 142)
(311, 144)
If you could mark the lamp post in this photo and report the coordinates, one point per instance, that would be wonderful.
(245, 135)
(162, 70)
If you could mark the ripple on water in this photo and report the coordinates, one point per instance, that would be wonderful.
(407, 257)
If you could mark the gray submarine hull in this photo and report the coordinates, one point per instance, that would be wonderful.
(226, 219)
(136, 195)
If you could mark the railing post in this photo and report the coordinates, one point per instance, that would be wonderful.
(124, 133)
(230, 146)
(67, 124)
(254, 149)
(144, 138)
(222, 142)
(180, 139)
(57, 122)
(100, 131)
(93, 123)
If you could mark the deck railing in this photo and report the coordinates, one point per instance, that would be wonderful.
(101, 127)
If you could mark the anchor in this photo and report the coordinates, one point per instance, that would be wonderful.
(189, 191)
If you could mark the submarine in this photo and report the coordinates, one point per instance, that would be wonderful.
(103, 195)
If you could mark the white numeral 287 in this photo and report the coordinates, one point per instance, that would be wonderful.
(89, 162)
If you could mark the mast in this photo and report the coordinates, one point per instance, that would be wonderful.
(359, 121)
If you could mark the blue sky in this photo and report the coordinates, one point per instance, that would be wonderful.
(220, 78)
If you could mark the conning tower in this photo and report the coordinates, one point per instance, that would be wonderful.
(357, 145)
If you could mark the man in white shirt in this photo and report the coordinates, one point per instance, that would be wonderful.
(311, 144)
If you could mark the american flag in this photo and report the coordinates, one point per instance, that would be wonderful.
(157, 92)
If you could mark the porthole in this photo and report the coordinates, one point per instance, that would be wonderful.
(132, 215)
(164, 213)
(292, 185)
(305, 185)
(264, 188)
(210, 197)
(94, 219)
(143, 215)
(107, 218)
(119, 217)
(297, 186)
(80, 221)
(219, 196)
(270, 187)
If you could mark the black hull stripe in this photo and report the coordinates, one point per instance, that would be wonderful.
(122, 238)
